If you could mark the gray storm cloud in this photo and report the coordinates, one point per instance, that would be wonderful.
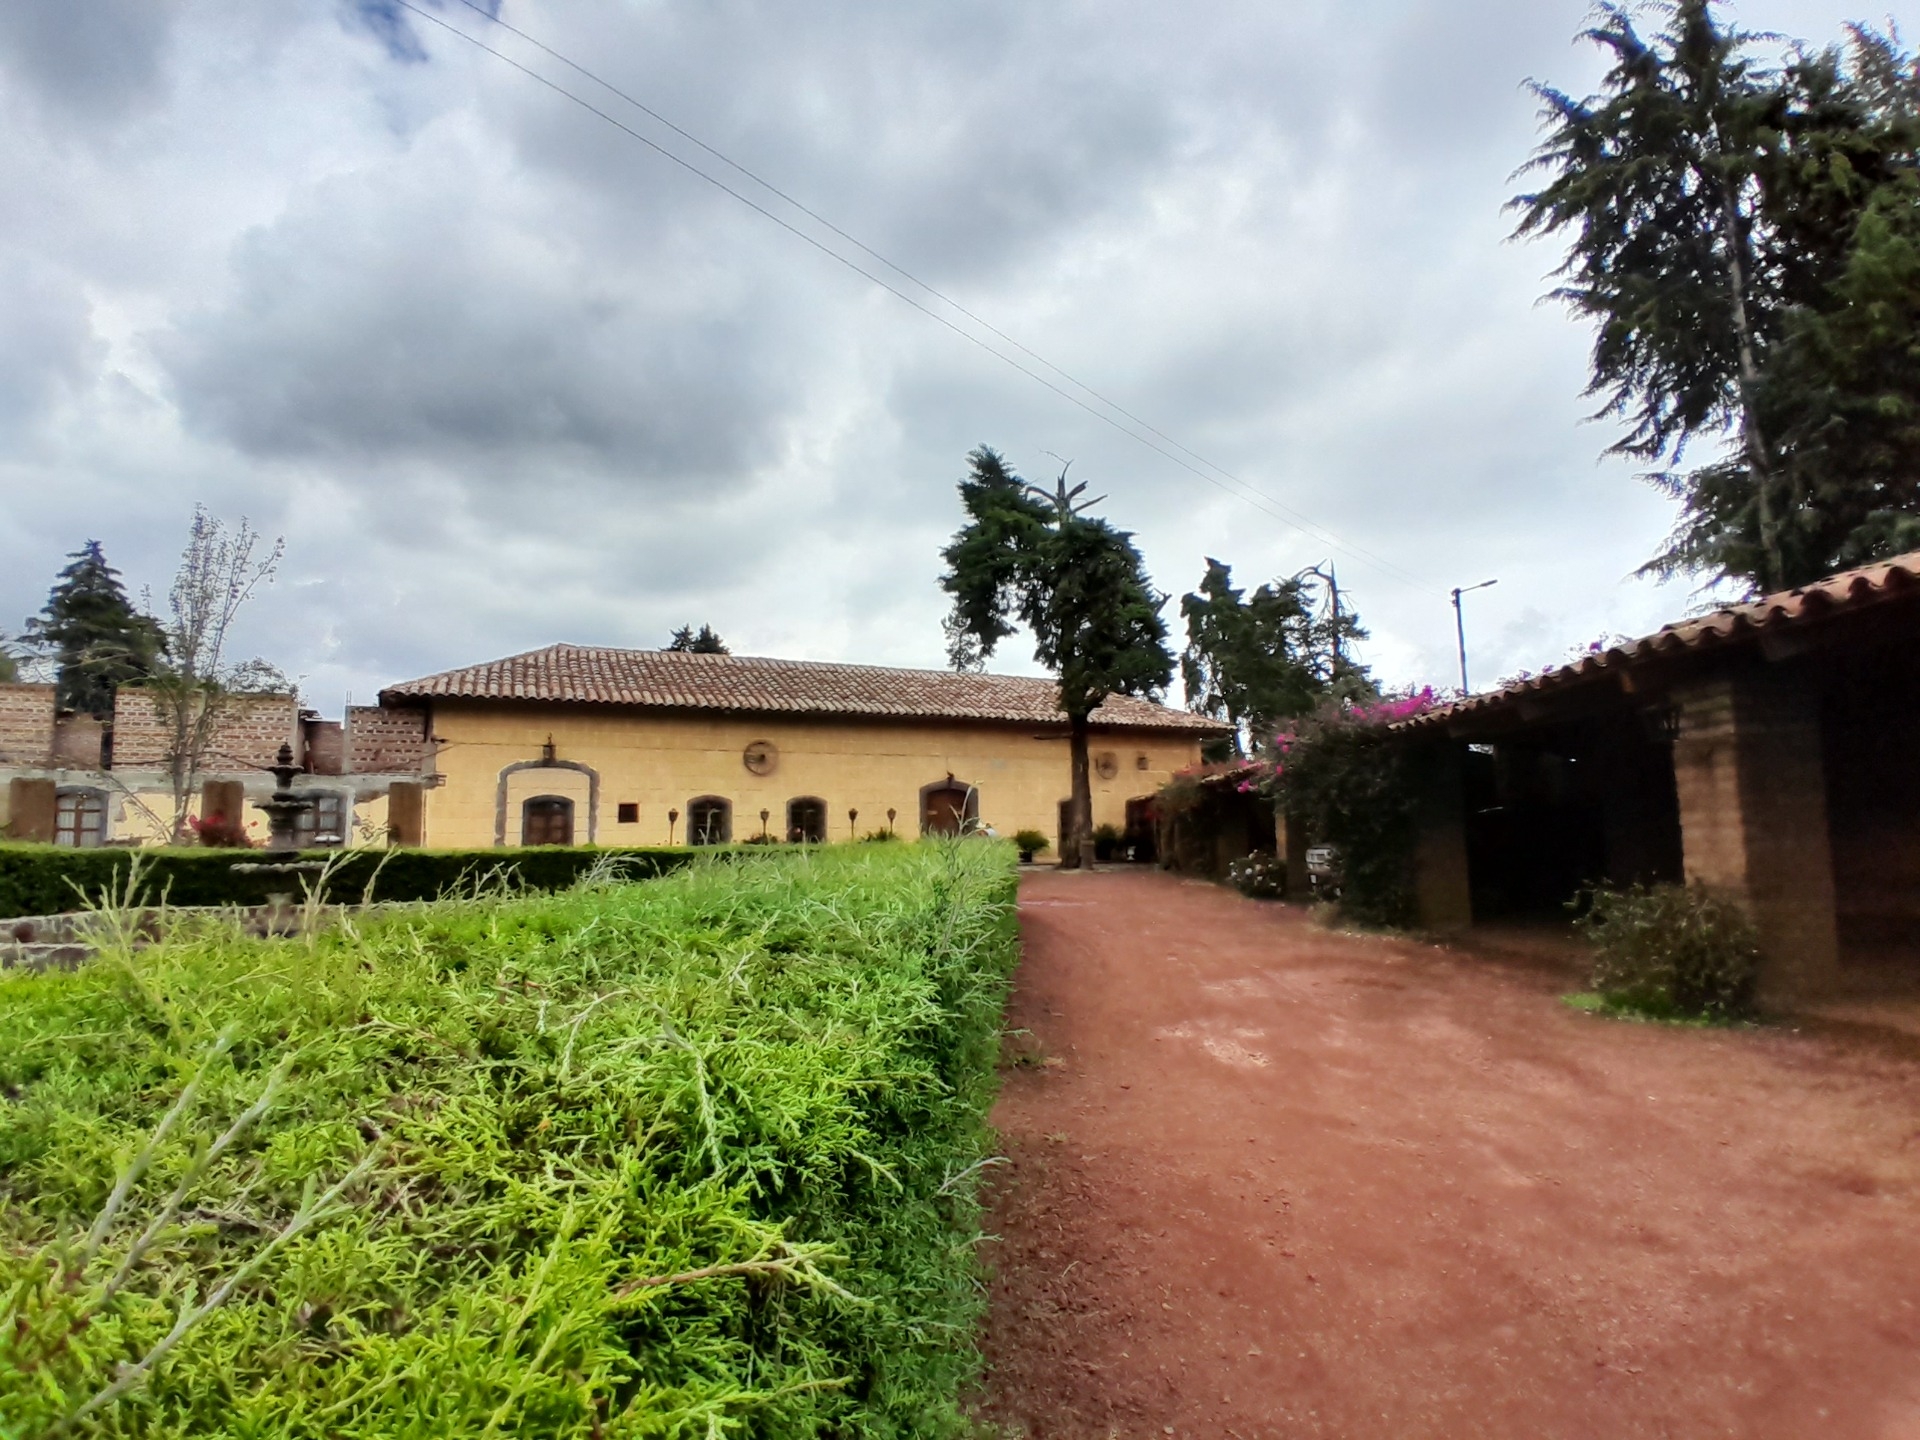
(503, 376)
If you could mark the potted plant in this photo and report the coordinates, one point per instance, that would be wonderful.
(1106, 842)
(1030, 843)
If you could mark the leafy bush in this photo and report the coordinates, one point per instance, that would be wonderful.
(685, 1159)
(48, 879)
(1031, 842)
(1355, 784)
(1672, 950)
(1260, 875)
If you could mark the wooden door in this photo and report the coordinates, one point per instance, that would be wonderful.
(946, 810)
(547, 820)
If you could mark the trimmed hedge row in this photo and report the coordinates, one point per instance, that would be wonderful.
(630, 1162)
(50, 879)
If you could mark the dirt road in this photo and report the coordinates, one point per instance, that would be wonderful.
(1270, 1181)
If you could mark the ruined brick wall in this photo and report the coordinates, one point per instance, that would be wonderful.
(383, 741)
(250, 729)
(76, 742)
(26, 724)
(325, 746)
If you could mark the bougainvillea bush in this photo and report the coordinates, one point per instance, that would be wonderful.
(1349, 780)
(689, 1158)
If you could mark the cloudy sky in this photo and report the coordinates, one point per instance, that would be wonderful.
(503, 375)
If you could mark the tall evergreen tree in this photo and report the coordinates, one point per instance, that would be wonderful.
(1716, 208)
(1034, 558)
(98, 640)
(1254, 660)
(706, 642)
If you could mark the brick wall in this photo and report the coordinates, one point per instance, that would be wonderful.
(382, 741)
(26, 724)
(76, 742)
(325, 746)
(250, 729)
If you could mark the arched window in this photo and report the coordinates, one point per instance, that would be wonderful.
(80, 819)
(709, 820)
(807, 821)
(949, 807)
(546, 820)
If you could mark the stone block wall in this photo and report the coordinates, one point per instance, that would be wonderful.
(26, 724)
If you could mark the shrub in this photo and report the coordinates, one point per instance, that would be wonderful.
(1031, 842)
(218, 832)
(49, 879)
(1260, 875)
(1672, 951)
(683, 1159)
(1356, 786)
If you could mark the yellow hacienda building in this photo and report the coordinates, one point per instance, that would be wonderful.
(574, 744)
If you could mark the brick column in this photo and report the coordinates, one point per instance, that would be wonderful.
(1443, 896)
(1753, 817)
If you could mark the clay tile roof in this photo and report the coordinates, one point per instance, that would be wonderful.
(1836, 596)
(681, 680)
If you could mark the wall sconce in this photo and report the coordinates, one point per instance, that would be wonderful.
(547, 751)
(673, 819)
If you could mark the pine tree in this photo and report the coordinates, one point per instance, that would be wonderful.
(98, 640)
(706, 642)
(1718, 208)
(1027, 556)
(1254, 660)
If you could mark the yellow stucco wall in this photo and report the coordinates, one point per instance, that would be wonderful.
(661, 762)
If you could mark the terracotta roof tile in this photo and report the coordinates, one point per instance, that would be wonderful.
(1847, 591)
(680, 680)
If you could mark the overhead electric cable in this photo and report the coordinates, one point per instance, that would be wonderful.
(1247, 493)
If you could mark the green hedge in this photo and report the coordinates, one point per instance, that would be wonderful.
(683, 1159)
(50, 879)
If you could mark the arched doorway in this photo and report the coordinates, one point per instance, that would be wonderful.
(546, 820)
(807, 821)
(948, 807)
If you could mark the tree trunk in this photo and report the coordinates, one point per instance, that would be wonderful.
(1076, 846)
(1759, 457)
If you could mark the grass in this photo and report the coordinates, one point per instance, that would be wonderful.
(1591, 1002)
(691, 1158)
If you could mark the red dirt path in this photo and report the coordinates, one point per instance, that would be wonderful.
(1275, 1181)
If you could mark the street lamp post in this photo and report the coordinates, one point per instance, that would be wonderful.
(1460, 628)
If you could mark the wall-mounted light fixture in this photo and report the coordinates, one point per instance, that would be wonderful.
(547, 751)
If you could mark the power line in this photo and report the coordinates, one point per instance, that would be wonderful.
(1245, 492)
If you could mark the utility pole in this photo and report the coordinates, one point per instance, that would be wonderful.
(1460, 628)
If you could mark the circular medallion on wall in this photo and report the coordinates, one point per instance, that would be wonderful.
(760, 757)
(1106, 764)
